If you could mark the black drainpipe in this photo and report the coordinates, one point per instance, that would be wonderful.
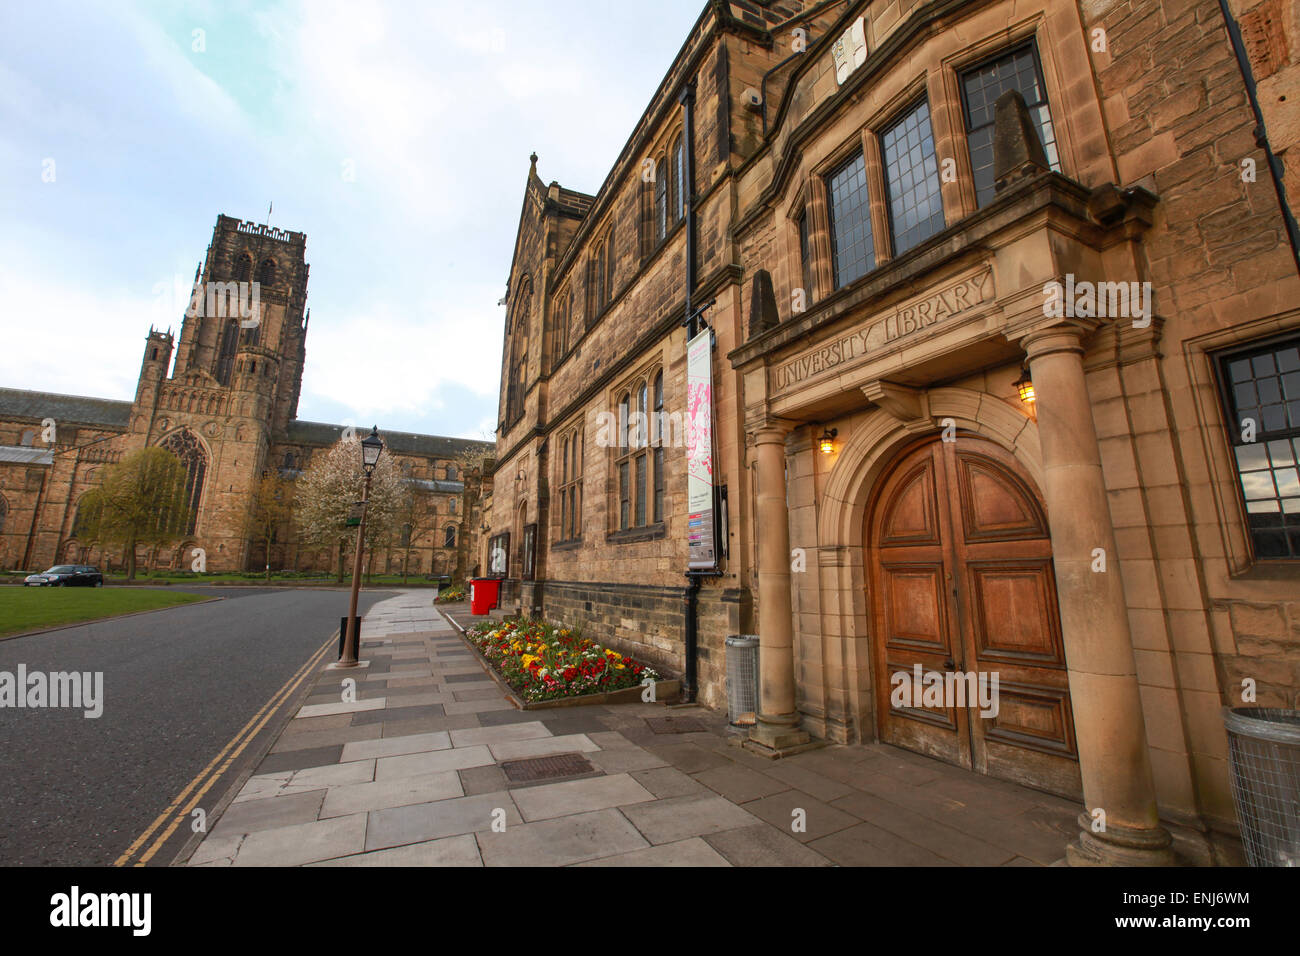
(687, 99)
(1261, 134)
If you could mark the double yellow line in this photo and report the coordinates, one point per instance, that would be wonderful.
(188, 799)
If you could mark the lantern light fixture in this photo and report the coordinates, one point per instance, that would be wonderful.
(1025, 386)
(371, 447)
(827, 441)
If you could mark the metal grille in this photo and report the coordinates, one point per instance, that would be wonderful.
(742, 680)
(547, 768)
(1264, 747)
(675, 725)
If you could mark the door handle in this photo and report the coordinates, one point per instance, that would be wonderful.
(950, 664)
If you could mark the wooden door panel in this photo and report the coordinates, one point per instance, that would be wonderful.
(1014, 614)
(994, 504)
(1032, 716)
(916, 613)
(911, 511)
(961, 575)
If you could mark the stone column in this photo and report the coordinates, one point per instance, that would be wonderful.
(777, 729)
(1113, 755)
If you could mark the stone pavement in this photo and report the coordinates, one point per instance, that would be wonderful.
(433, 766)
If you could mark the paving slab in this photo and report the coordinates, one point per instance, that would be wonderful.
(817, 819)
(430, 821)
(560, 842)
(268, 813)
(395, 746)
(579, 796)
(526, 730)
(385, 794)
(450, 851)
(412, 765)
(740, 784)
(763, 845)
(667, 821)
(325, 738)
(541, 747)
(690, 852)
(330, 710)
(304, 843)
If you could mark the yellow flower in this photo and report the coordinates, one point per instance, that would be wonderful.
(620, 667)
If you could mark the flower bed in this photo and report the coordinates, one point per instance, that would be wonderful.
(546, 662)
(451, 595)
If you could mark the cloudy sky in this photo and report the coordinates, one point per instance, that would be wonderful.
(128, 127)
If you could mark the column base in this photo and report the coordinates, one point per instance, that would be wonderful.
(779, 736)
(1120, 846)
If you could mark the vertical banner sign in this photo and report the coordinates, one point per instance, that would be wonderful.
(699, 451)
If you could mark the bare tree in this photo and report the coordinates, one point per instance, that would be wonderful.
(269, 510)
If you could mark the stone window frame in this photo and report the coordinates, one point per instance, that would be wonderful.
(630, 449)
(601, 262)
(1231, 427)
(568, 480)
(561, 316)
(971, 65)
(1200, 355)
(941, 86)
(948, 104)
(517, 356)
(660, 223)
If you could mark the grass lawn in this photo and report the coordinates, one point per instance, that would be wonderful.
(28, 609)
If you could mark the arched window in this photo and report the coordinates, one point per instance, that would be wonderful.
(449, 536)
(657, 438)
(678, 173)
(266, 272)
(661, 199)
(610, 261)
(289, 463)
(28, 438)
(451, 505)
(186, 446)
(406, 536)
(571, 487)
(451, 473)
(4, 513)
(226, 357)
(244, 268)
(639, 471)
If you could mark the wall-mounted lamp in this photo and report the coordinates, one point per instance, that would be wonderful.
(827, 441)
(1025, 386)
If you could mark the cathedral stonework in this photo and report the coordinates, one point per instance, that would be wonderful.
(228, 410)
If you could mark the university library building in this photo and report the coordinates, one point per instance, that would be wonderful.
(934, 337)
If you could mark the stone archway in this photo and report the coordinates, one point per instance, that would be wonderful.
(877, 438)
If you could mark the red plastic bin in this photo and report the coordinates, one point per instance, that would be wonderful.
(483, 594)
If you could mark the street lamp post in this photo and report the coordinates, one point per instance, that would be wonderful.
(371, 447)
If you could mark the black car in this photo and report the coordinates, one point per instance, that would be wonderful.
(66, 576)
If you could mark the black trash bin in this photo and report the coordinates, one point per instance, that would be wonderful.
(343, 634)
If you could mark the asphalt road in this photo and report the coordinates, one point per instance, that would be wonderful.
(178, 685)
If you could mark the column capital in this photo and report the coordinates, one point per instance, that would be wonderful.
(1064, 336)
(768, 429)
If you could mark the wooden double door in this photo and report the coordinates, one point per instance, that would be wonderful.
(961, 582)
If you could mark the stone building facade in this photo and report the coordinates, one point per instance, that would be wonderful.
(1006, 380)
(228, 407)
